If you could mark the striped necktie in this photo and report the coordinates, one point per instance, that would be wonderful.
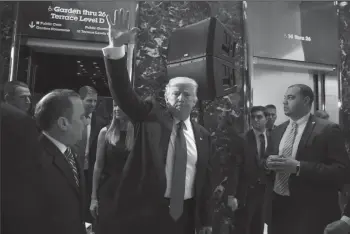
(69, 155)
(281, 186)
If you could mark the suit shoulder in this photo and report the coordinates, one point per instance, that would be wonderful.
(327, 125)
(202, 129)
(281, 125)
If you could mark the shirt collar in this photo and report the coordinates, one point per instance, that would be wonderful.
(58, 144)
(257, 133)
(302, 120)
(187, 122)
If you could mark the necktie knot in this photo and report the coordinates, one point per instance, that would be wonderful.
(261, 136)
(68, 151)
(181, 125)
(294, 125)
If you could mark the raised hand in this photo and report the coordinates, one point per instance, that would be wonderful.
(119, 32)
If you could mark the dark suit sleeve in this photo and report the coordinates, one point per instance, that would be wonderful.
(235, 163)
(122, 91)
(236, 185)
(335, 168)
(242, 183)
(206, 209)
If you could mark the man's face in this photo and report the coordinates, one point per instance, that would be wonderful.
(258, 120)
(21, 99)
(77, 122)
(294, 102)
(90, 102)
(271, 119)
(181, 98)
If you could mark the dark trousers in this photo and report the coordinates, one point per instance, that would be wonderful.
(282, 215)
(250, 218)
(88, 186)
(161, 222)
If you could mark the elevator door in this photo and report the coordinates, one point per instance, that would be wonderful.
(270, 83)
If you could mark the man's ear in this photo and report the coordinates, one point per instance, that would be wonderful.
(62, 123)
(7, 97)
(307, 100)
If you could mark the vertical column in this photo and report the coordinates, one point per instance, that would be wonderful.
(14, 46)
(248, 68)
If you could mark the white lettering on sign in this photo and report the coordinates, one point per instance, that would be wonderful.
(92, 32)
(72, 14)
(64, 17)
(297, 37)
(67, 10)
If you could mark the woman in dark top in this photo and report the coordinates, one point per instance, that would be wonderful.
(114, 144)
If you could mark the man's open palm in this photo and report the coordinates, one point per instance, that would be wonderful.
(119, 32)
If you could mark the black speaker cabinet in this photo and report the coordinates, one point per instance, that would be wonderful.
(208, 37)
(215, 76)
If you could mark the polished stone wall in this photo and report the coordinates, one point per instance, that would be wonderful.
(344, 42)
(6, 25)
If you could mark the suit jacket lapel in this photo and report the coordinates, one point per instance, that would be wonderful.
(202, 156)
(159, 136)
(60, 162)
(252, 146)
(276, 138)
(92, 129)
(306, 134)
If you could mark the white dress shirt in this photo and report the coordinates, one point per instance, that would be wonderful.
(87, 148)
(301, 124)
(191, 159)
(58, 144)
(114, 52)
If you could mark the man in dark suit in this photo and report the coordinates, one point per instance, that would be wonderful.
(308, 165)
(252, 181)
(86, 147)
(272, 116)
(166, 184)
(20, 151)
(17, 94)
(61, 116)
(341, 226)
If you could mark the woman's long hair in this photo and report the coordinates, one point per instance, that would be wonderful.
(113, 132)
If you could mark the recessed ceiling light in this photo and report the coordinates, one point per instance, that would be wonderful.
(343, 4)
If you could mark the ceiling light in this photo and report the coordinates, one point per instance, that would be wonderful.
(78, 61)
(343, 3)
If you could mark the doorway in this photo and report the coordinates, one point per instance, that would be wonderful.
(44, 72)
(270, 83)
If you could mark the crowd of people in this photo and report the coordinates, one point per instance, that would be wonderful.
(150, 169)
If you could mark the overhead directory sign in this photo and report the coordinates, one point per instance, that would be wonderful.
(294, 30)
(80, 20)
